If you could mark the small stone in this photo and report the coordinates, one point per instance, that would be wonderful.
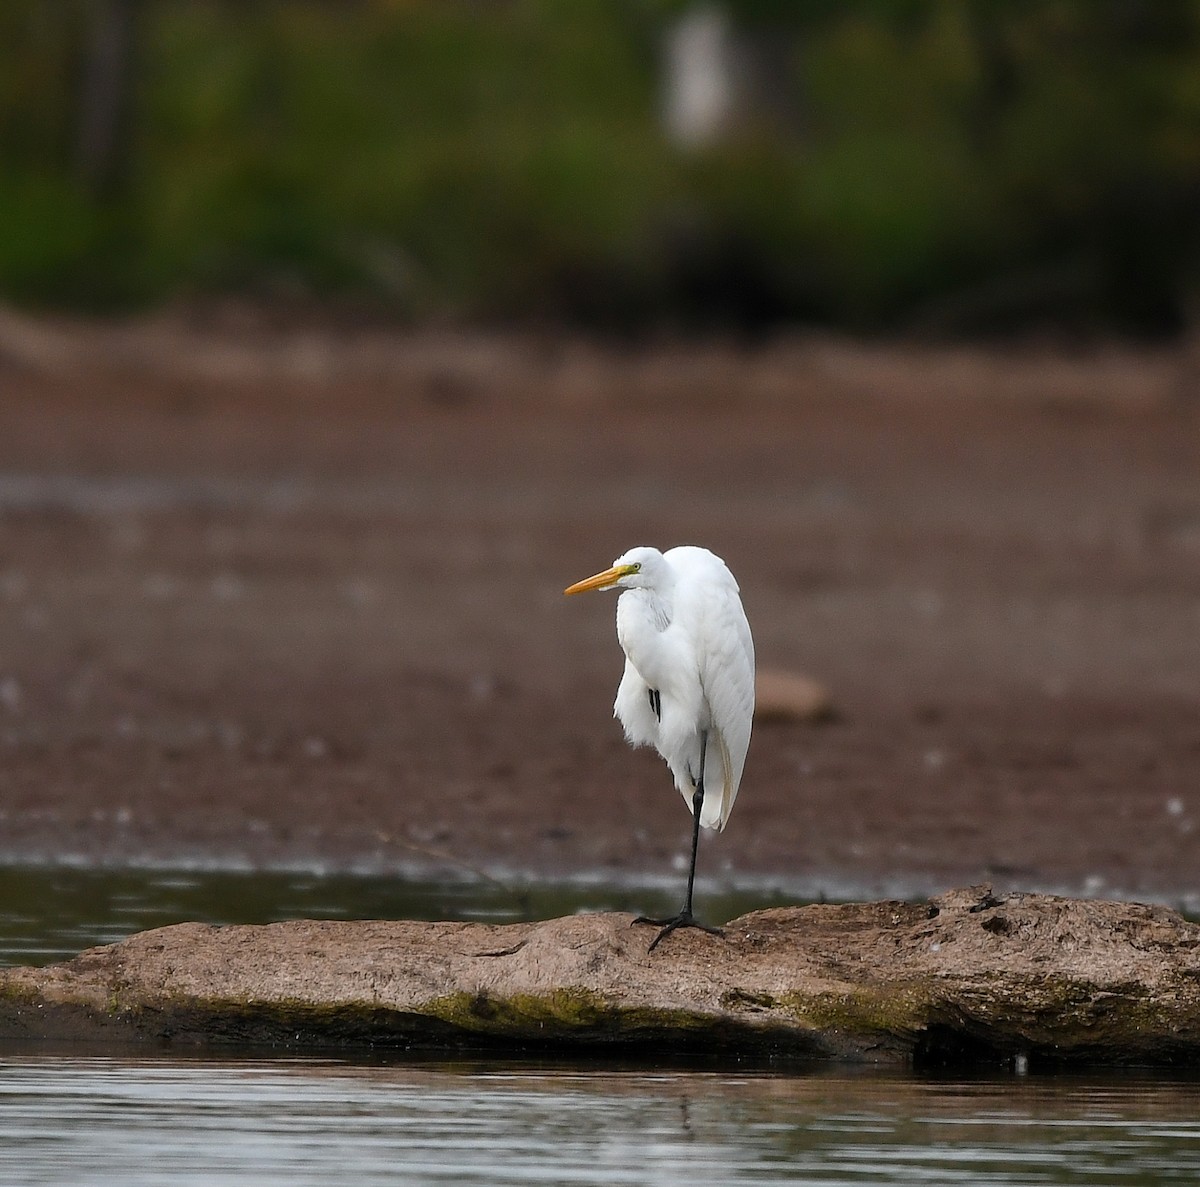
(781, 696)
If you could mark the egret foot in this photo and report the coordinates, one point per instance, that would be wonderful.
(683, 919)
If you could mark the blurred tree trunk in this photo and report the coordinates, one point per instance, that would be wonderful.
(102, 147)
(723, 76)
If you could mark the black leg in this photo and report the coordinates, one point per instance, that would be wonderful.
(685, 918)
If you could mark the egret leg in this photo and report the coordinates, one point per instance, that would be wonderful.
(685, 918)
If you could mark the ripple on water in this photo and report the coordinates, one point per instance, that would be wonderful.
(141, 1121)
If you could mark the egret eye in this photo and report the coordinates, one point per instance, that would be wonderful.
(635, 567)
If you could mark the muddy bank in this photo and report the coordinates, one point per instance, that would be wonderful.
(270, 610)
(967, 977)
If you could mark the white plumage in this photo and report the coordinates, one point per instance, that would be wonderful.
(685, 635)
(688, 685)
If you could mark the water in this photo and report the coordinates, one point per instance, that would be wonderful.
(100, 1115)
(101, 1120)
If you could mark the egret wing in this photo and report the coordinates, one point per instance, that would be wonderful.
(724, 648)
(727, 676)
(634, 708)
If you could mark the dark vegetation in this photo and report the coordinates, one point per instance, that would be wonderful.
(951, 166)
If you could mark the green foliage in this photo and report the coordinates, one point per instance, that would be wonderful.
(507, 159)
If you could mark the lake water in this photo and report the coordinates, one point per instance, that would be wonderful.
(113, 1120)
(98, 1115)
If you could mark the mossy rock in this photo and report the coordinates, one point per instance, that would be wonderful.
(966, 977)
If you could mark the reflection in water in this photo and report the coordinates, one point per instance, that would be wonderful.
(135, 1121)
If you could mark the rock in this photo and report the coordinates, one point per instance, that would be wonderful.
(965, 977)
(789, 696)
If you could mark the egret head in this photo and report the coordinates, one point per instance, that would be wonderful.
(639, 568)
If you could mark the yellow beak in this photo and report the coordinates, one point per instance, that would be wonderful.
(600, 581)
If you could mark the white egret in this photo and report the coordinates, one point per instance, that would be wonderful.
(688, 686)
